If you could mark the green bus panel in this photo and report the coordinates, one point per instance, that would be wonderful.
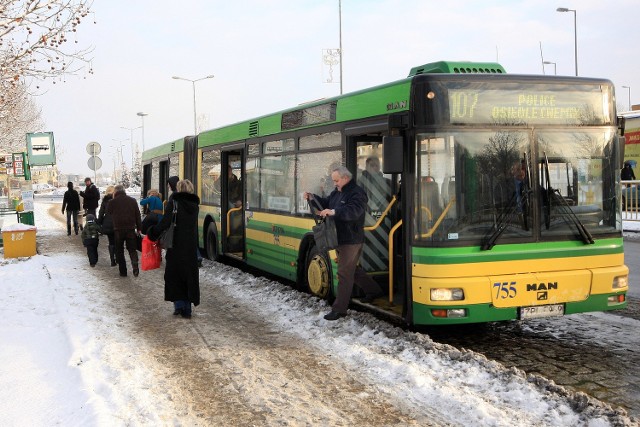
(379, 101)
(176, 146)
(520, 251)
(263, 256)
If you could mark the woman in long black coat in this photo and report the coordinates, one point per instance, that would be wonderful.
(181, 278)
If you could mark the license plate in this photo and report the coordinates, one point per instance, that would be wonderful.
(538, 311)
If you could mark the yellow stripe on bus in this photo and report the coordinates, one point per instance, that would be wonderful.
(523, 266)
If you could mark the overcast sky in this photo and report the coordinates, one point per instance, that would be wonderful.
(267, 56)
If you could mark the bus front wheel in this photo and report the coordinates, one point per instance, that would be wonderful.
(318, 273)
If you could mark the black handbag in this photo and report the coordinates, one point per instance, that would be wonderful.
(107, 224)
(149, 220)
(166, 237)
(324, 232)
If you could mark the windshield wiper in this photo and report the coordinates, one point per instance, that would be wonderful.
(566, 211)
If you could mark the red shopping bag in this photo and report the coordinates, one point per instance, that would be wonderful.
(151, 254)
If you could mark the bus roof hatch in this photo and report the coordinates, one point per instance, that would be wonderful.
(449, 67)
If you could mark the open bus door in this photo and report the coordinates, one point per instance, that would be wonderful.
(383, 232)
(232, 209)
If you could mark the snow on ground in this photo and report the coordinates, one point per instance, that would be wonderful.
(62, 355)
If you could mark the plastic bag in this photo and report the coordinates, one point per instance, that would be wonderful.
(151, 255)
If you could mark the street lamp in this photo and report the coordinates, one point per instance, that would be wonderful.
(193, 84)
(549, 63)
(629, 90)
(132, 148)
(575, 33)
(116, 157)
(120, 148)
(119, 151)
(141, 114)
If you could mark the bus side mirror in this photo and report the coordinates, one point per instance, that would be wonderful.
(392, 152)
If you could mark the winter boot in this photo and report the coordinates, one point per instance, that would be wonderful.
(112, 255)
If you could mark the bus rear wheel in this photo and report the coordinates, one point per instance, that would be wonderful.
(318, 273)
(212, 242)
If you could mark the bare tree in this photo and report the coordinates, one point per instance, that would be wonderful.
(34, 38)
(19, 115)
(34, 45)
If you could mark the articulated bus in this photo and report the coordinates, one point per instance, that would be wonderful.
(492, 196)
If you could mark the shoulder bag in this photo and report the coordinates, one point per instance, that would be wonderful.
(324, 232)
(166, 238)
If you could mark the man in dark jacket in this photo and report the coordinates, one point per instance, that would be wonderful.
(127, 224)
(71, 202)
(347, 204)
(91, 197)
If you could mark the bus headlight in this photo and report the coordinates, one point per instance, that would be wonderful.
(447, 294)
(620, 282)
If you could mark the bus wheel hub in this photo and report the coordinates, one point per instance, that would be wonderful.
(318, 276)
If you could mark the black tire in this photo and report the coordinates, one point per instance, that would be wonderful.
(317, 273)
(211, 242)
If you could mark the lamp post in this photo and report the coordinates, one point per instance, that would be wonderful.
(193, 85)
(554, 66)
(119, 150)
(115, 161)
(575, 33)
(132, 148)
(340, 36)
(141, 114)
(628, 88)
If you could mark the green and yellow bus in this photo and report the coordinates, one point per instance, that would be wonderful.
(497, 197)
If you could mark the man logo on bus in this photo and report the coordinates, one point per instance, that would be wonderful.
(396, 105)
(543, 296)
(542, 286)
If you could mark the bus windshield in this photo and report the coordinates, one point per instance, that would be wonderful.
(508, 184)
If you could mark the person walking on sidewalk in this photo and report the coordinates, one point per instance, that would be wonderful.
(91, 239)
(90, 197)
(106, 223)
(181, 277)
(347, 204)
(71, 202)
(153, 208)
(127, 224)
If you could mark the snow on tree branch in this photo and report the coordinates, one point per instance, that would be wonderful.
(38, 38)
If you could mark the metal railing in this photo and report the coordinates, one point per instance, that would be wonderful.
(630, 192)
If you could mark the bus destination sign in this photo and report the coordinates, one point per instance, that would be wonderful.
(479, 106)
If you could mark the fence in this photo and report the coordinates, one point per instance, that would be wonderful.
(630, 200)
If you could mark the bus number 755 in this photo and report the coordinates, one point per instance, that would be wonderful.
(505, 290)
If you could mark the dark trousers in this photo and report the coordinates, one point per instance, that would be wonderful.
(349, 272)
(92, 250)
(130, 238)
(70, 215)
